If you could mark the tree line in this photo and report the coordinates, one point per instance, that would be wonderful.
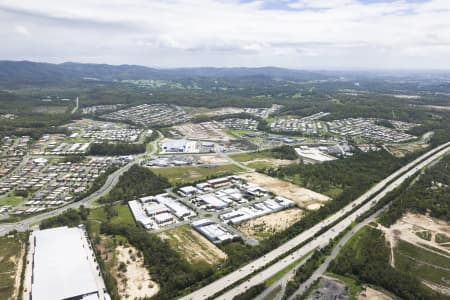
(136, 182)
(112, 149)
(365, 258)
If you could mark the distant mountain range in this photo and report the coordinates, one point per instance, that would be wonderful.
(26, 72)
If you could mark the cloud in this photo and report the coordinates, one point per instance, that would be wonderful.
(289, 33)
(22, 30)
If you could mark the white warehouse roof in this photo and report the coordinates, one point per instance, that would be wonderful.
(61, 268)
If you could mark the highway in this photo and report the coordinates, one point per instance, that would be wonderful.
(282, 282)
(324, 266)
(322, 269)
(247, 270)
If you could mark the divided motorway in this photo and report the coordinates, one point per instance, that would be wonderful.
(380, 190)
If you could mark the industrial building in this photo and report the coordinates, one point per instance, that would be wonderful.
(157, 211)
(211, 201)
(212, 231)
(313, 155)
(257, 210)
(64, 266)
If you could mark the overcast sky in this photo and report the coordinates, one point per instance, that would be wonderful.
(305, 34)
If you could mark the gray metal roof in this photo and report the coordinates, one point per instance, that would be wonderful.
(61, 266)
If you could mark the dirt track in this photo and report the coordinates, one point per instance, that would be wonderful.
(410, 226)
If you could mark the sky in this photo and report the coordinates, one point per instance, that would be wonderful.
(297, 34)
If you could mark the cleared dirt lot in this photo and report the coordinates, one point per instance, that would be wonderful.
(208, 131)
(267, 163)
(421, 245)
(192, 245)
(213, 159)
(303, 197)
(420, 230)
(12, 250)
(265, 226)
(371, 294)
(203, 111)
(133, 281)
(400, 150)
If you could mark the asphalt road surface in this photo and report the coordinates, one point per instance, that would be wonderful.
(110, 182)
(247, 270)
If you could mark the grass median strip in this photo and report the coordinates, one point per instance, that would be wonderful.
(286, 270)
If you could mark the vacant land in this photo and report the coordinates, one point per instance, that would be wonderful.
(119, 214)
(420, 245)
(265, 226)
(126, 267)
(11, 200)
(133, 278)
(421, 231)
(260, 160)
(12, 250)
(246, 157)
(212, 159)
(193, 246)
(303, 197)
(401, 150)
(432, 268)
(210, 112)
(186, 175)
(371, 294)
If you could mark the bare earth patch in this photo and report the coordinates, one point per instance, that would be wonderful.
(371, 294)
(225, 111)
(301, 196)
(18, 261)
(213, 159)
(411, 226)
(266, 226)
(133, 281)
(193, 246)
(271, 161)
(439, 288)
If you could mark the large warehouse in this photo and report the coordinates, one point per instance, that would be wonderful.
(64, 266)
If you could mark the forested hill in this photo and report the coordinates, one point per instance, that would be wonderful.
(26, 72)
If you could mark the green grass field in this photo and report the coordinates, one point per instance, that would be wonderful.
(244, 157)
(442, 238)
(332, 191)
(10, 248)
(425, 264)
(186, 175)
(124, 215)
(426, 235)
(191, 246)
(11, 200)
(273, 294)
